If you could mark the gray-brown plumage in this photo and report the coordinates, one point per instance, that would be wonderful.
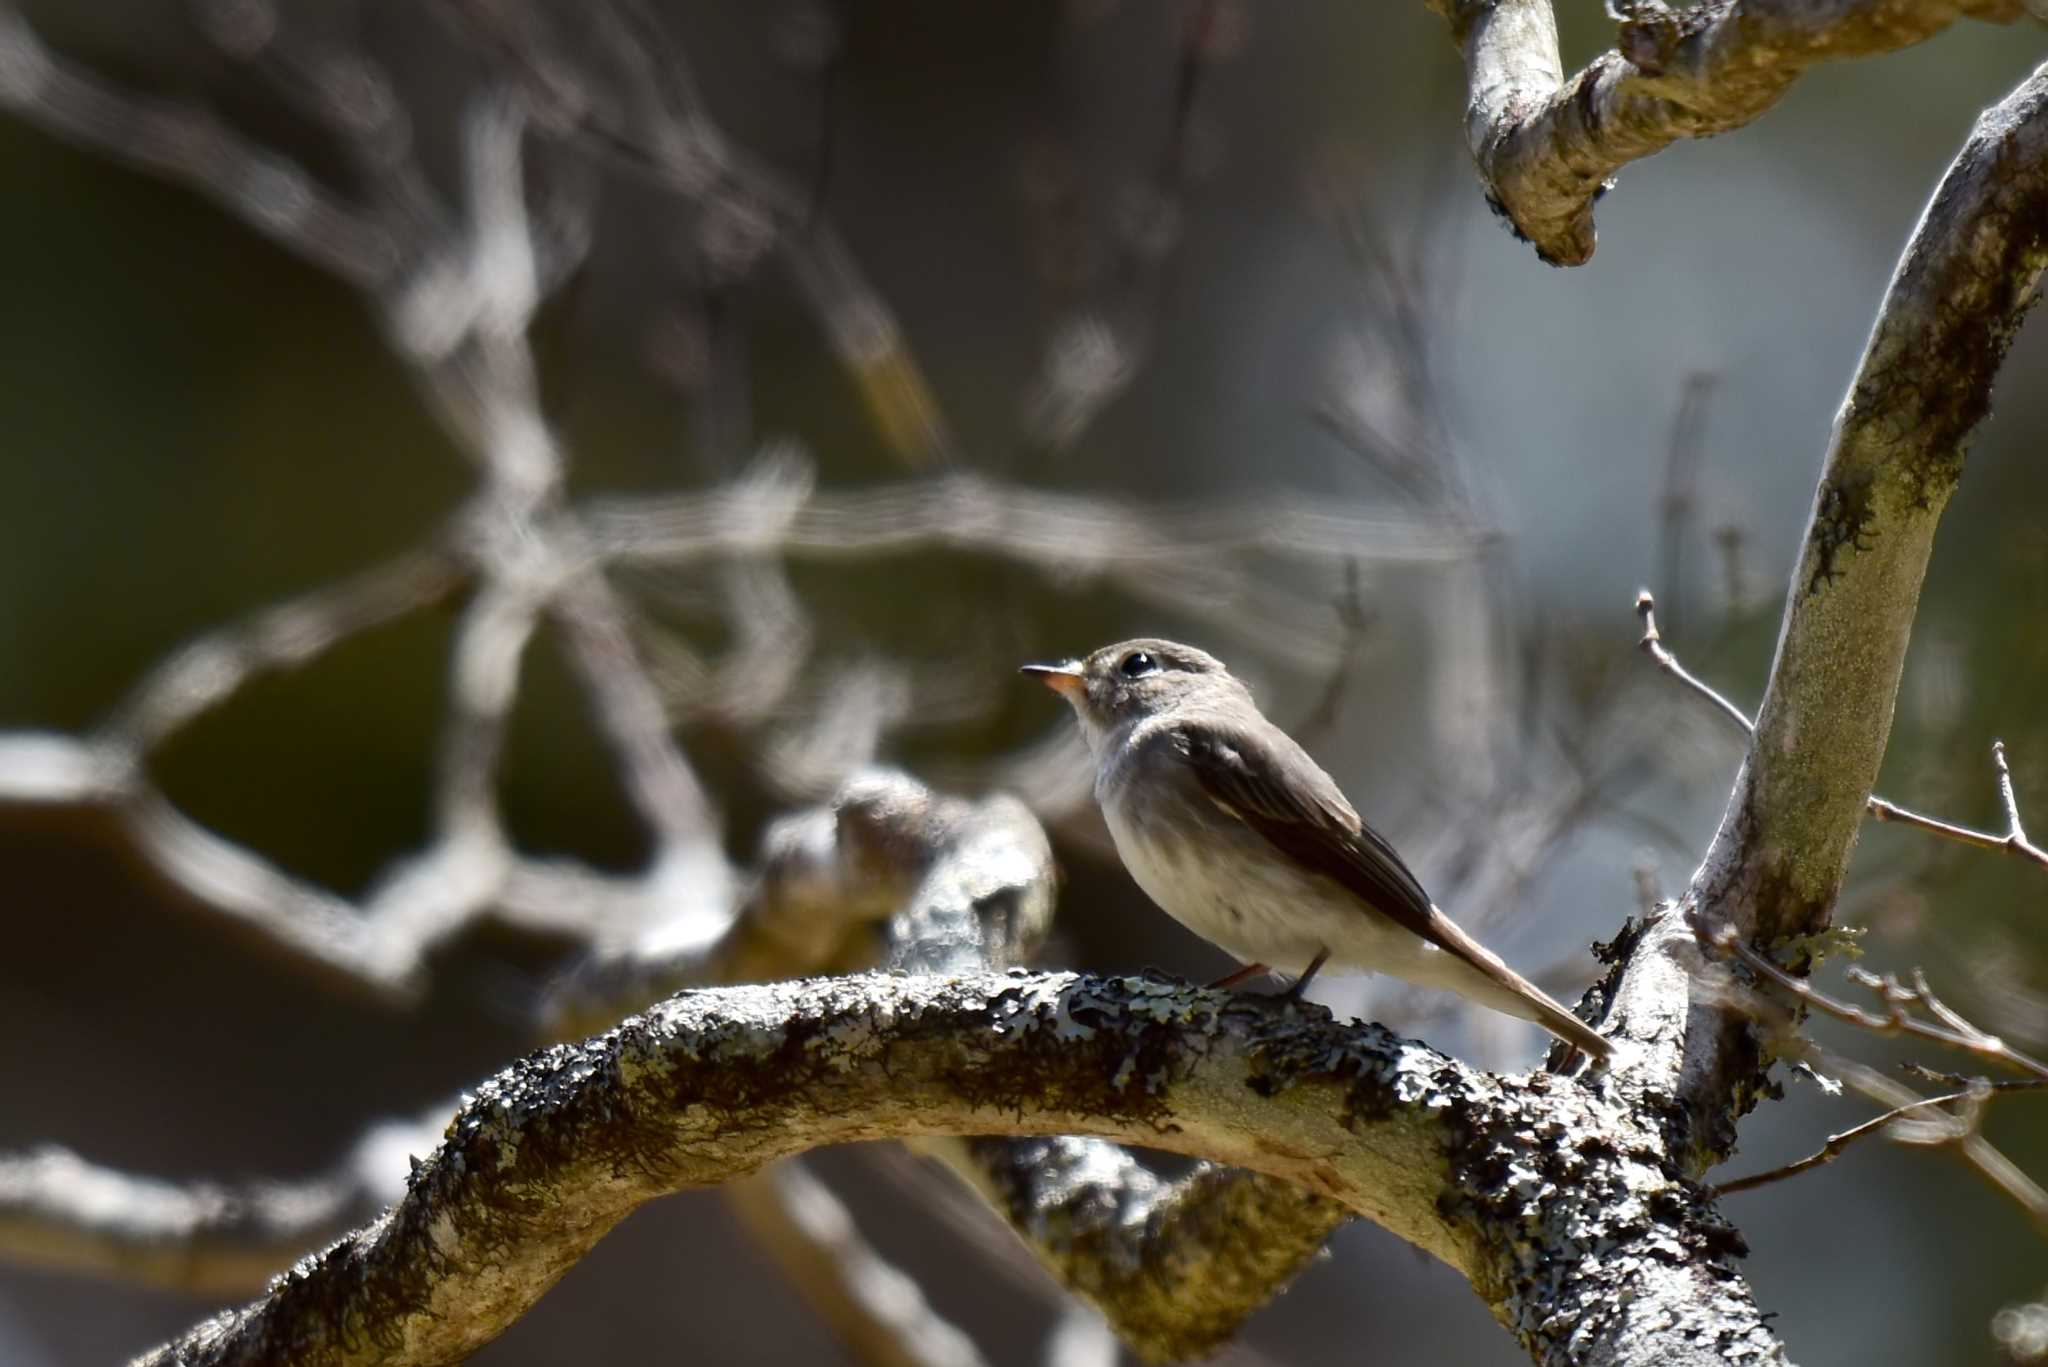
(1231, 828)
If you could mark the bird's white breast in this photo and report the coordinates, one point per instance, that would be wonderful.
(1204, 867)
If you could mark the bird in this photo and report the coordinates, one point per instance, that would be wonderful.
(1226, 822)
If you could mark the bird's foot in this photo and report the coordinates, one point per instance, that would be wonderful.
(1293, 993)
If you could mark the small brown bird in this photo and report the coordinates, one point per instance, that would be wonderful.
(1229, 826)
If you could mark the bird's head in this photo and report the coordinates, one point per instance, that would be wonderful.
(1132, 680)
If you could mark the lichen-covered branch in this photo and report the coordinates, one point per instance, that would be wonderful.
(1548, 147)
(1174, 1266)
(1552, 1197)
(893, 873)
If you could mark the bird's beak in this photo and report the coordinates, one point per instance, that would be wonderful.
(1063, 679)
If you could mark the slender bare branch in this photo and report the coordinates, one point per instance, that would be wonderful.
(1877, 1124)
(1947, 1030)
(2014, 841)
(1652, 644)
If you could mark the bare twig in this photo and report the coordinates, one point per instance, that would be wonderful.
(2014, 841)
(1836, 1143)
(1948, 1029)
(1652, 644)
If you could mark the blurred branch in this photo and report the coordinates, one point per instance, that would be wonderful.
(57, 1210)
(831, 886)
(1096, 352)
(1176, 1266)
(1547, 148)
(641, 110)
(778, 510)
(270, 193)
(878, 1314)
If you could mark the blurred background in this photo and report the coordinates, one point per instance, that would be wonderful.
(1203, 298)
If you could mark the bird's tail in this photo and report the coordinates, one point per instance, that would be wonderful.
(1492, 983)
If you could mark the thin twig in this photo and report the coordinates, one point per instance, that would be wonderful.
(1832, 1149)
(2014, 841)
(1653, 645)
(1897, 1019)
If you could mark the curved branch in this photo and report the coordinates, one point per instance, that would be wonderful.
(714, 1084)
(1174, 1267)
(1778, 860)
(1547, 147)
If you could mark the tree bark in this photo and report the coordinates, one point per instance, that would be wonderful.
(1553, 1197)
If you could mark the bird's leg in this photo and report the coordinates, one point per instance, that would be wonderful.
(1293, 994)
(1242, 976)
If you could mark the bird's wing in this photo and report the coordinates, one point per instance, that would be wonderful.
(1265, 780)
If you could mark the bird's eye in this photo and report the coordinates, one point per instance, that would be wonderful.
(1137, 665)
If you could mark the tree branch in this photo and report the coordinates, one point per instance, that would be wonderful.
(1778, 860)
(713, 1084)
(1176, 1267)
(1547, 148)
